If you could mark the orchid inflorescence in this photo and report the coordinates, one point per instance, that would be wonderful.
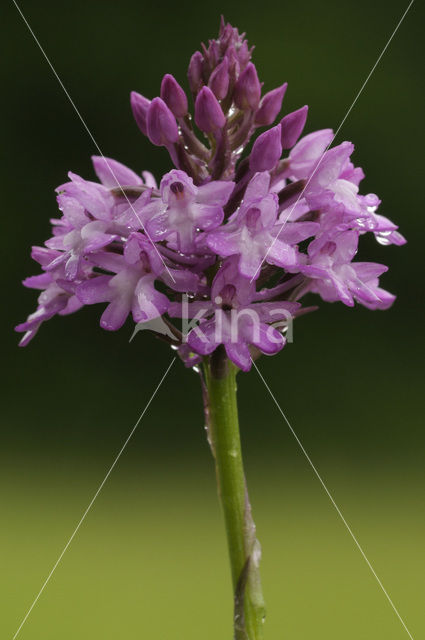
(234, 231)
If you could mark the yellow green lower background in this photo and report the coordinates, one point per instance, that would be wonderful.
(150, 560)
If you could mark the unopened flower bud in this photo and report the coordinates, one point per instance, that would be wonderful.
(174, 96)
(270, 106)
(292, 126)
(139, 106)
(194, 72)
(234, 66)
(208, 113)
(161, 124)
(267, 150)
(219, 80)
(248, 89)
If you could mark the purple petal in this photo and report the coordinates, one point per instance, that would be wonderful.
(38, 282)
(295, 232)
(248, 89)
(267, 339)
(208, 216)
(223, 242)
(115, 314)
(267, 150)
(239, 354)
(216, 192)
(139, 107)
(258, 187)
(202, 338)
(330, 166)
(174, 96)
(219, 79)
(114, 174)
(282, 254)
(95, 290)
(161, 124)
(208, 113)
(307, 152)
(270, 106)
(368, 270)
(292, 126)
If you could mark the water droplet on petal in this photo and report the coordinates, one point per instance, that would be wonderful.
(383, 237)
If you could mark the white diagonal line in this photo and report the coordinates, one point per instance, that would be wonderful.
(91, 135)
(347, 526)
(335, 135)
(93, 500)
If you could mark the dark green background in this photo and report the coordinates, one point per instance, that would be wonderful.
(150, 560)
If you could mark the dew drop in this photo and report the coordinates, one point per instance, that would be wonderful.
(383, 237)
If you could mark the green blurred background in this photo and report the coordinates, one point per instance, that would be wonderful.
(150, 559)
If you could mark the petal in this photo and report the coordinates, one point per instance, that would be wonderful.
(346, 246)
(385, 300)
(258, 187)
(307, 152)
(208, 216)
(72, 306)
(250, 262)
(181, 280)
(202, 338)
(72, 210)
(294, 232)
(115, 314)
(55, 243)
(139, 211)
(107, 260)
(28, 336)
(282, 254)
(60, 259)
(95, 290)
(149, 179)
(275, 311)
(368, 270)
(345, 192)
(216, 192)
(269, 207)
(330, 166)
(223, 242)
(114, 174)
(383, 224)
(95, 198)
(71, 266)
(239, 354)
(148, 303)
(38, 282)
(267, 339)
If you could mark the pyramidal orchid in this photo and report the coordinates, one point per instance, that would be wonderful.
(220, 252)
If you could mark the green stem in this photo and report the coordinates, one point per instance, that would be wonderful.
(244, 549)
